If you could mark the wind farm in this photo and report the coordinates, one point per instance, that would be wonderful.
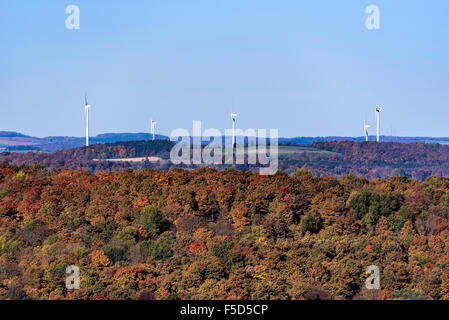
(233, 115)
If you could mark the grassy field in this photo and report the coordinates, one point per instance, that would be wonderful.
(289, 150)
(137, 159)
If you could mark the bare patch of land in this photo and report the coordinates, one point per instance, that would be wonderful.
(137, 159)
(288, 150)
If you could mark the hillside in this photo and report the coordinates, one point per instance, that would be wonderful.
(311, 140)
(368, 159)
(13, 141)
(371, 159)
(220, 235)
(59, 143)
(93, 158)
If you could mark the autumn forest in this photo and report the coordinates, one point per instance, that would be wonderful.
(220, 234)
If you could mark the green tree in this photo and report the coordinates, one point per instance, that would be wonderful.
(160, 249)
(155, 222)
(310, 223)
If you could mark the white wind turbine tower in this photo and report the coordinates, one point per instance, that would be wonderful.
(153, 127)
(365, 128)
(378, 110)
(87, 106)
(233, 116)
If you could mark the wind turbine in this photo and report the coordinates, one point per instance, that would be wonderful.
(365, 128)
(153, 126)
(87, 106)
(378, 110)
(233, 116)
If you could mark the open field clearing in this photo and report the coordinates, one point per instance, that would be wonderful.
(137, 159)
(19, 141)
(288, 150)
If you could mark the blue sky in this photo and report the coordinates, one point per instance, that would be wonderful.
(308, 68)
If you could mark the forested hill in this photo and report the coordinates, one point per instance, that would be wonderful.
(14, 141)
(371, 159)
(122, 149)
(92, 158)
(388, 153)
(232, 234)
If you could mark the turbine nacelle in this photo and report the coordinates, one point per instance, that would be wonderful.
(153, 128)
(233, 116)
(378, 110)
(87, 106)
(86, 103)
(365, 128)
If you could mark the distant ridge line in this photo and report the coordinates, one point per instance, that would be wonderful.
(14, 140)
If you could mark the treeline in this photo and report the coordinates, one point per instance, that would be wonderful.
(93, 158)
(205, 234)
(417, 153)
(124, 149)
(368, 159)
(372, 160)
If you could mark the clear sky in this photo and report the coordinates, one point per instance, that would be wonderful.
(308, 68)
